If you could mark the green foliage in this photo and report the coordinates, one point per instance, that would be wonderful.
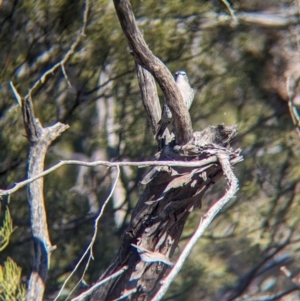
(6, 230)
(11, 288)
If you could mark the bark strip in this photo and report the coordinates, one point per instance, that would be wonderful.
(159, 217)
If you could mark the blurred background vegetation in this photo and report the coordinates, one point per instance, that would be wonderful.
(240, 76)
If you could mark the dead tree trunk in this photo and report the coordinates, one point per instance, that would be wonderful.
(171, 193)
(39, 138)
(160, 215)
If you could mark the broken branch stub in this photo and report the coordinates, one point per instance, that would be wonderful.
(39, 138)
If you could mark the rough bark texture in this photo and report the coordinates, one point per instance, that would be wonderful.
(160, 215)
(171, 193)
(40, 138)
(144, 57)
(149, 97)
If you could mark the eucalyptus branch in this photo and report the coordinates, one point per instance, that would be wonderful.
(144, 57)
(142, 164)
(204, 223)
(39, 140)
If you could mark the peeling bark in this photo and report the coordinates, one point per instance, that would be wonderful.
(161, 212)
(171, 193)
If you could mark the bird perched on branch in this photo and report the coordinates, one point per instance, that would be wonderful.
(187, 93)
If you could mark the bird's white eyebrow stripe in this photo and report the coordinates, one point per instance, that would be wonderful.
(187, 93)
(180, 73)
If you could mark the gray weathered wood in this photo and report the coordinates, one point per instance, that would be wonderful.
(39, 138)
(145, 58)
(161, 212)
(149, 97)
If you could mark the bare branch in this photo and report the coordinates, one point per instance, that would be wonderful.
(16, 94)
(281, 18)
(145, 58)
(204, 223)
(231, 11)
(141, 164)
(289, 275)
(89, 249)
(65, 75)
(92, 288)
(291, 91)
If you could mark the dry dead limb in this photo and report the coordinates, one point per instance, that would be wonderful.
(161, 212)
(145, 58)
(224, 160)
(149, 96)
(39, 139)
(92, 288)
(140, 164)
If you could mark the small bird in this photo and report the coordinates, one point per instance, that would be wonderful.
(187, 93)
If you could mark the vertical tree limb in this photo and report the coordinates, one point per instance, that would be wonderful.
(144, 57)
(39, 138)
(149, 96)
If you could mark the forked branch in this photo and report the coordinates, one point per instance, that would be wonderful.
(39, 138)
(145, 58)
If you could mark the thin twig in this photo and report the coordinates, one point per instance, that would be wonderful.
(292, 108)
(16, 94)
(81, 278)
(91, 289)
(289, 275)
(231, 11)
(61, 63)
(65, 75)
(204, 223)
(141, 164)
(89, 249)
